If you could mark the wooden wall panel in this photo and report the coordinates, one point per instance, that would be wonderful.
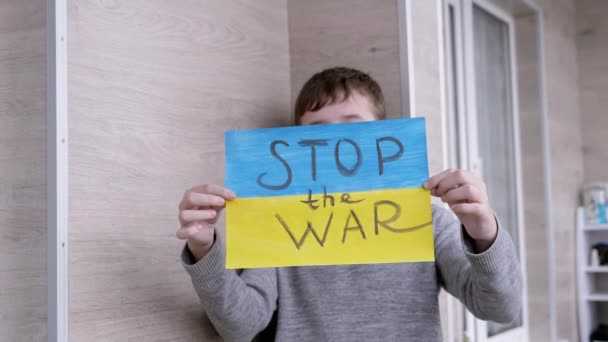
(23, 294)
(535, 233)
(566, 160)
(592, 42)
(354, 33)
(427, 71)
(153, 86)
(566, 150)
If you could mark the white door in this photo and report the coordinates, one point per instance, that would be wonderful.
(483, 126)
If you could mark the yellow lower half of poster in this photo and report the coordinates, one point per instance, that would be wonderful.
(381, 226)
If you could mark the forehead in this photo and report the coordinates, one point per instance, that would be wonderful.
(356, 107)
(354, 101)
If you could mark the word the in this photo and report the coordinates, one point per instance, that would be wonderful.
(344, 198)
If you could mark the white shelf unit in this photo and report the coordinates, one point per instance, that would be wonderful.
(588, 296)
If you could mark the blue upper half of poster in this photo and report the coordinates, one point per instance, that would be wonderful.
(349, 157)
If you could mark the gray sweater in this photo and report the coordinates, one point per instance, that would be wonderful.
(382, 302)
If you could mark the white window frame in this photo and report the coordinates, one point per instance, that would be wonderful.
(476, 329)
(521, 333)
(57, 171)
(454, 154)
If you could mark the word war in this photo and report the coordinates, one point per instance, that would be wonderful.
(378, 222)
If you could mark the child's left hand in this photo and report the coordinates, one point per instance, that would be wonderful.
(466, 194)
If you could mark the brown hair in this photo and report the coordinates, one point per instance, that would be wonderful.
(336, 85)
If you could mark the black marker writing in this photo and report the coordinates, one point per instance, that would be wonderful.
(396, 215)
(345, 198)
(381, 158)
(343, 169)
(313, 152)
(273, 151)
(326, 196)
(309, 229)
(358, 227)
(310, 201)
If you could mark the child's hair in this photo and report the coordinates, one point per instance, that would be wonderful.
(335, 85)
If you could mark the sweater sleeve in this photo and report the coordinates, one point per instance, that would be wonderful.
(239, 305)
(489, 283)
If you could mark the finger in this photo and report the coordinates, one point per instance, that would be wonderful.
(432, 182)
(217, 214)
(454, 180)
(187, 216)
(467, 193)
(467, 208)
(215, 189)
(434, 192)
(186, 231)
(195, 199)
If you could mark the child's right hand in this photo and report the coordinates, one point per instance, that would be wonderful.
(199, 209)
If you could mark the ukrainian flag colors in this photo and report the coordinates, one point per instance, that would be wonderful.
(328, 195)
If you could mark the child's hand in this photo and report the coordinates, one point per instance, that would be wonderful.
(198, 211)
(466, 194)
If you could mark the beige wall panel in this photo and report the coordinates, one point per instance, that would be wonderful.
(356, 33)
(593, 80)
(535, 234)
(566, 150)
(23, 294)
(592, 42)
(426, 61)
(153, 86)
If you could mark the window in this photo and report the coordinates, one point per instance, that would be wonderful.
(482, 122)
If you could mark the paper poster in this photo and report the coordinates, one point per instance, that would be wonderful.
(328, 195)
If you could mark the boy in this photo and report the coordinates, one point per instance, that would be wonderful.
(475, 260)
